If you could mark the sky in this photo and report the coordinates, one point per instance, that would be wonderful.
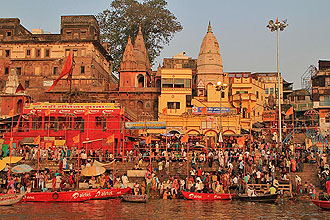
(239, 26)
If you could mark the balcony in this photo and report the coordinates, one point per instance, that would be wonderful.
(322, 104)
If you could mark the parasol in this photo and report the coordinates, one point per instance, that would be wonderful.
(2, 164)
(13, 159)
(23, 168)
(93, 171)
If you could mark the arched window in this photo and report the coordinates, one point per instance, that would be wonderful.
(140, 79)
(140, 105)
(158, 83)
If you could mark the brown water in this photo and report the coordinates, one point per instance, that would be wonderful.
(164, 209)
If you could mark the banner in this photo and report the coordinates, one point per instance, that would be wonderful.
(210, 110)
(145, 125)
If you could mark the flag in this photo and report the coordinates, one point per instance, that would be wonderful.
(165, 110)
(67, 69)
(11, 113)
(36, 140)
(111, 139)
(76, 139)
(47, 112)
(241, 140)
(86, 111)
(122, 111)
(204, 110)
(148, 140)
(289, 112)
(276, 21)
(184, 138)
(248, 111)
(19, 88)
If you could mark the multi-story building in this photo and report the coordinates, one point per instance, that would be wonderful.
(38, 59)
(321, 95)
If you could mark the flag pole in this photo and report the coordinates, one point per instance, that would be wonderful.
(187, 165)
(78, 170)
(38, 177)
(113, 164)
(11, 139)
(294, 140)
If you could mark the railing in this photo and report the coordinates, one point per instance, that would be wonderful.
(317, 137)
(325, 103)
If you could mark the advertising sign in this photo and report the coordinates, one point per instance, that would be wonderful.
(145, 125)
(211, 110)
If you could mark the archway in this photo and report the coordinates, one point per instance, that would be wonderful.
(140, 79)
(210, 138)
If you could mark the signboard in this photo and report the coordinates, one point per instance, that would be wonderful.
(145, 125)
(211, 110)
(269, 116)
(48, 83)
(73, 108)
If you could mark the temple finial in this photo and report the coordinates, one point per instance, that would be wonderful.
(209, 29)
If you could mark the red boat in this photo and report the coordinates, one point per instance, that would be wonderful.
(207, 196)
(322, 204)
(111, 193)
(68, 196)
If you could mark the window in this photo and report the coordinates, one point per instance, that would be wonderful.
(28, 52)
(47, 53)
(82, 69)
(173, 105)
(83, 52)
(257, 94)
(188, 100)
(178, 83)
(167, 83)
(27, 84)
(8, 33)
(6, 70)
(37, 52)
(327, 118)
(75, 52)
(222, 95)
(301, 97)
(19, 71)
(187, 83)
(7, 53)
(55, 69)
(67, 51)
(271, 90)
(267, 91)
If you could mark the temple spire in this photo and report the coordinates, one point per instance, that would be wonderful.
(209, 29)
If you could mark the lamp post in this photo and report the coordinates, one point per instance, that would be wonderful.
(278, 26)
(220, 87)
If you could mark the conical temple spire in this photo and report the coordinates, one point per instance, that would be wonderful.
(209, 29)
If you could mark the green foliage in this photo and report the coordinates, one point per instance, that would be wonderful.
(124, 18)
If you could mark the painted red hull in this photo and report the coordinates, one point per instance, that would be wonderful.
(207, 196)
(111, 193)
(322, 204)
(69, 196)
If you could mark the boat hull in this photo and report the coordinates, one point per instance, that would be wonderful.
(69, 196)
(322, 204)
(207, 196)
(10, 199)
(111, 193)
(271, 198)
(135, 198)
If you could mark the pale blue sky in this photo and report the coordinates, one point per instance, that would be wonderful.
(239, 25)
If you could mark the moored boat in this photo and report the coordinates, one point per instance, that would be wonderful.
(111, 193)
(67, 196)
(10, 199)
(322, 204)
(267, 198)
(135, 198)
(207, 196)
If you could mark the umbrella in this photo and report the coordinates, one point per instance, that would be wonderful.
(12, 160)
(93, 171)
(23, 168)
(2, 164)
(99, 164)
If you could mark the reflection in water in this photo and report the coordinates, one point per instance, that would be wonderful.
(163, 209)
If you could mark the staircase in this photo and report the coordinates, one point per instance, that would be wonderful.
(309, 175)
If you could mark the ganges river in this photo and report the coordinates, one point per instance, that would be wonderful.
(164, 209)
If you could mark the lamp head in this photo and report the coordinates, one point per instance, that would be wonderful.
(218, 83)
(225, 84)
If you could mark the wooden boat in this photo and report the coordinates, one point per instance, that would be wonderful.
(322, 204)
(268, 198)
(207, 196)
(10, 199)
(135, 198)
(111, 193)
(67, 196)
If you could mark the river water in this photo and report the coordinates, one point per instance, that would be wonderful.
(164, 209)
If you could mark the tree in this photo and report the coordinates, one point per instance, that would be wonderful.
(124, 18)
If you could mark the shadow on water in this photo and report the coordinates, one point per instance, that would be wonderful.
(163, 209)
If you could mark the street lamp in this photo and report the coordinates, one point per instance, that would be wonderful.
(278, 26)
(220, 87)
